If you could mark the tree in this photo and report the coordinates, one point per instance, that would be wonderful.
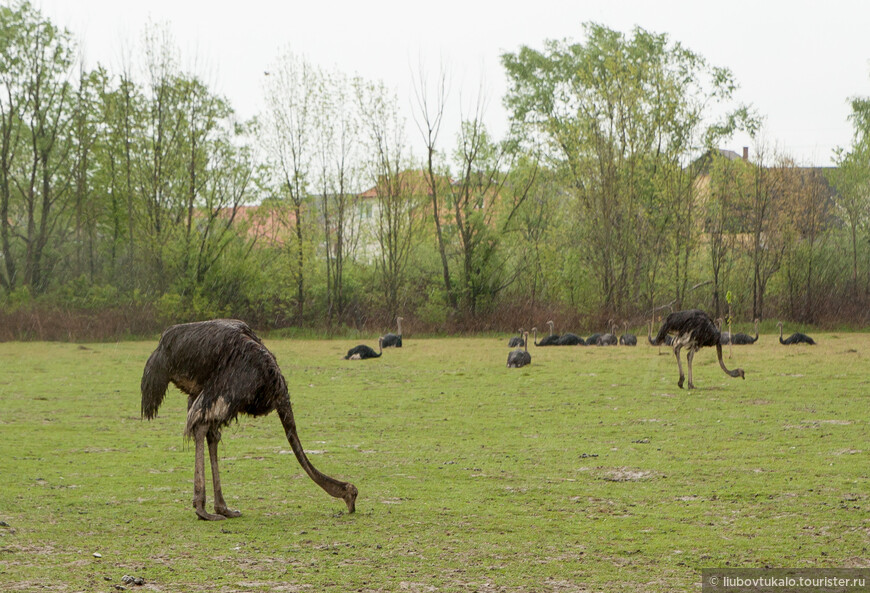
(851, 178)
(728, 183)
(620, 118)
(34, 151)
(287, 130)
(337, 126)
(397, 193)
(431, 114)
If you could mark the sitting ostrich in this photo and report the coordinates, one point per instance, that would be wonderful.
(693, 330)
(520, 357)
(569, 339)
(741, 339)
(393, 340)
(627, 339)
(724, 337)
(518, 341)
(550, 340)
(363, 352)
(225, 370)
(609, 339)
(795, 338)
(592, 340)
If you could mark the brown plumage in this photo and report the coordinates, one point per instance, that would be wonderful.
(225, 370)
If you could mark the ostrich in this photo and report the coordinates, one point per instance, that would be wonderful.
(518, 341)
(693, 330)
(520, 357)
(609, 339)
(593, 339)
(795, 338)
(550, 340)
(225, 370)
(627, 339)
(392, 340)
(569, 339)
(363, 352)
(741, 339)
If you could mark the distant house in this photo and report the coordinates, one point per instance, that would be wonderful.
(802, 180)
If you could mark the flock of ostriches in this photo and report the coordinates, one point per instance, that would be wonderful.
(225, 370)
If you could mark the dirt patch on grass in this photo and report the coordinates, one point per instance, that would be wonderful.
(627, 474)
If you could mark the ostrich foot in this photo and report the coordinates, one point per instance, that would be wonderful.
(680, 382)
(228, 513)
(205, 516)
(691, 386)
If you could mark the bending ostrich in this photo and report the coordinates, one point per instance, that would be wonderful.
(593, 339)
(518, 341)
(550, 340)
(627, 339)
(225, 370)
(363, 352)
(693, 330)
(520, 357)
(741, 339)
(795, 338)
(393, 340)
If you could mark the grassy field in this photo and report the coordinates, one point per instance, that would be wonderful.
(587, 471)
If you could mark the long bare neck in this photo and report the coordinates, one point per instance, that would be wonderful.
(399, 323)
(336, 488)
(735, 372)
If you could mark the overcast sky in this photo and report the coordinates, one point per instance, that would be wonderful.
(797, 61)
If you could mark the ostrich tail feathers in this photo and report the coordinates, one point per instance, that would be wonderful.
(155, 380)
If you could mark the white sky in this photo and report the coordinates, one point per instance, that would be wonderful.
(797, 61)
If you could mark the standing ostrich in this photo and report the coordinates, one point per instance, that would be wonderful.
(741, 339)
(693, 330)
(363, 352)
(518, 341)
(225, 370)
(550, 340)
(393, 340)
(795, 338)
(627, 339)
(520, 357)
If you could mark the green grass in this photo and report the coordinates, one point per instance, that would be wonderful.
(588, 470)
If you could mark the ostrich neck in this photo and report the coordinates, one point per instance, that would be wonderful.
(332, 486)
(735, 372)
(399, 322)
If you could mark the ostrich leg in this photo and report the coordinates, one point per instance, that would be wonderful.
(199, 477)
(680, 366)
(220, 507)
(690, 355)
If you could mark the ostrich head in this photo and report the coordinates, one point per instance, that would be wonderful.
(552, 325)
(349, 497)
